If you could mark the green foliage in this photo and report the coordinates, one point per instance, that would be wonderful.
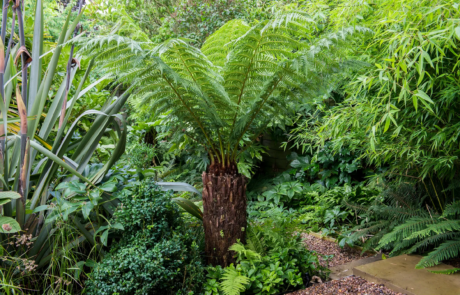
(405, 101)
(327, 167)
(273, 260)
(141, 156)
(160, 20)
(46, 150)
(398, 224)
(156, 254)
(233, 283)
(267, 68)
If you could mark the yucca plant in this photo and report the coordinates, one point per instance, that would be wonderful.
(37, 154)
(242, 81)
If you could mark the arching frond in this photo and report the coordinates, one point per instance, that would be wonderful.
(243, 80)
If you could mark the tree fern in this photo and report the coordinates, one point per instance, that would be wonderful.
(233, 283)
(243, 80)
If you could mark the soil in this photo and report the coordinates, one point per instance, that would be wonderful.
(349, 285)
(455, 262)
(323, 247)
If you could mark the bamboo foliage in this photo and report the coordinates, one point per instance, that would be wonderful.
(402, 110)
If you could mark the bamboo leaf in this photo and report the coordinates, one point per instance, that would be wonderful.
(387, 124)
(414, 100)
(424, 96)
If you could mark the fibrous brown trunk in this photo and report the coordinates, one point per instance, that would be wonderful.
(224, 216)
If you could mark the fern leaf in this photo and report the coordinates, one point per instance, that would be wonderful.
(433, 240)
(452, 210)
(404, 230)
(446, 250)
(232, 282)
(439, 227)
(445, 271)
(241, 250)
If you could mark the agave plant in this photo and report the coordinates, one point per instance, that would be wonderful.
(243, 80)
(29, 165)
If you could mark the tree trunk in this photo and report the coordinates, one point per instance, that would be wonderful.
(224, 216)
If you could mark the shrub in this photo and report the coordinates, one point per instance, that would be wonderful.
(157, 253)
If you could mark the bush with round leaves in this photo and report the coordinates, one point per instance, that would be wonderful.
(157, 253)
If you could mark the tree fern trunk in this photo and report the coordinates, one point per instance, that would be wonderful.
(224, 216)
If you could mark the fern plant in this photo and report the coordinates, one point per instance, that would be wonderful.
(233, 283)
(402, 227)
(244, 80)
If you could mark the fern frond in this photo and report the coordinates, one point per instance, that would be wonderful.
(233, 283)
(254, 241)
(446, 271)
(401, 245)
(217, 46)
(433, 241)
(446, 250)
(241, 251)
(405, 230)
(438, 227)
(452, 210)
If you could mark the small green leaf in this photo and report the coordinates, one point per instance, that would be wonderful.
(457, 32)
(414, 99)
(118, 226)
(109, 187)
(424, 96)
(9, 195)
(9, 225)
(40, 208)
(86, 209)
(387, 124)
(104, 237)
(90, 263)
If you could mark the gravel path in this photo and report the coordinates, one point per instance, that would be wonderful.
(323, 247)
(349, 285)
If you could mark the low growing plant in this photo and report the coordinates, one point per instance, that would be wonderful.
(157, 254)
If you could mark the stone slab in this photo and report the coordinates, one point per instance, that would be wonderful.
(399, 274)
(345, 270)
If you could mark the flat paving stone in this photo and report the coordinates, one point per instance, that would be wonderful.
(399, 274)
(345, 270)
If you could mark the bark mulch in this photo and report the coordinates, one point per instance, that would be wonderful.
(349, 285)
(323, 247)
